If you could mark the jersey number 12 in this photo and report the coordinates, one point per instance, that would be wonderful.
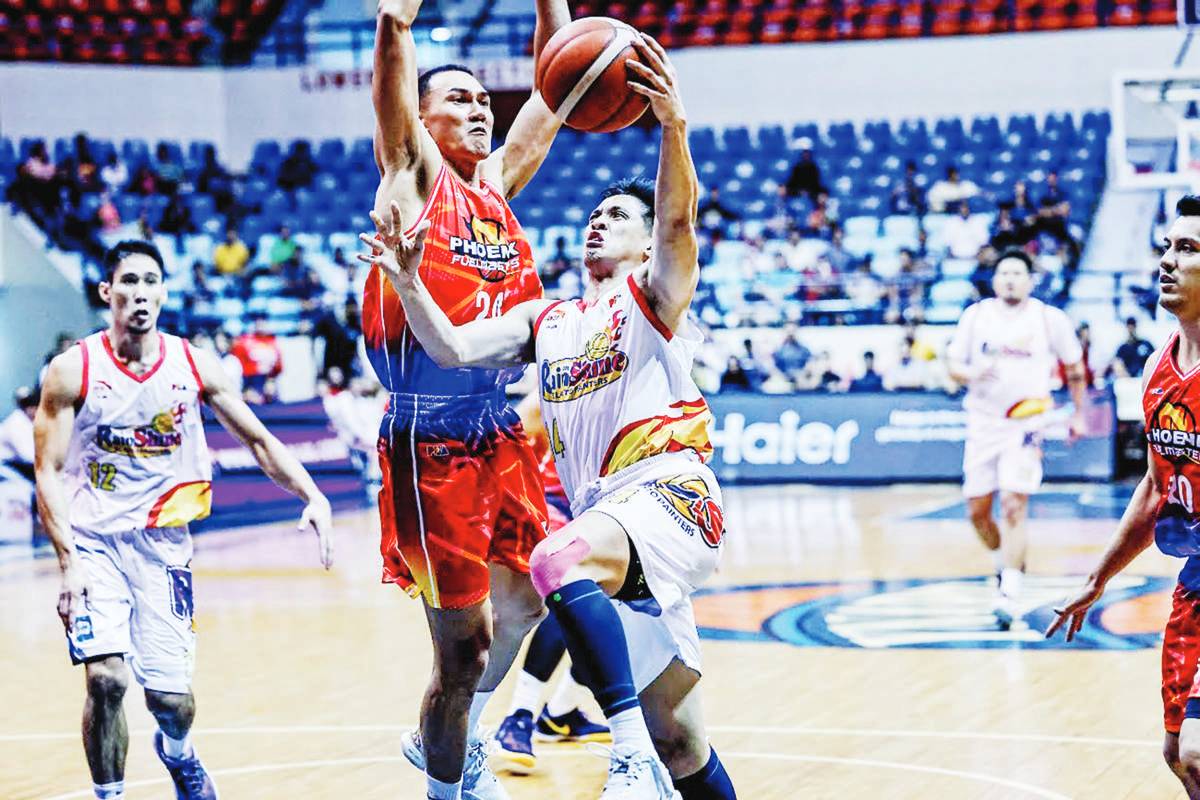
(102, 475)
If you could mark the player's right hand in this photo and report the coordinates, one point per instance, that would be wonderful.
(1076, 610)
(399, 256)
(72, 595)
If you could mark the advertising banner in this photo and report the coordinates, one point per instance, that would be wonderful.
(885, 437)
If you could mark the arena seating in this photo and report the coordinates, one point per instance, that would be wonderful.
(860, 166)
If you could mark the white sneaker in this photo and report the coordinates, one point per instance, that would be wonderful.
(634, 775)
(1004, 608)
(479, 782)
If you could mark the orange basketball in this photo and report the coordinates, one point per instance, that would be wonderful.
(582, 70)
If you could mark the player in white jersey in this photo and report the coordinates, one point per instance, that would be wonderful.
(629, 432)
(122, 468)
(1006, 350)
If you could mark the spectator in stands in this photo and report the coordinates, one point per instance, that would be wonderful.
(965, 235)
(16, 433)
(863, 289)
(795, 252)
(340, 260)
(168, 174)
(1053, 195)
(213, 179)
(230, 363)
(283, 248)
(114, 174)
(909, 372)
(921, 349)
(1005, 231)
(144, 181)
(805, 177)
(230, 256)
(298, 168)
(950, 190)
(822, 219)
(145, 229)
(750, 363)
(819, 375)
(108, 218)
(261, 360)
(1133, 352)
(87, 175)
(1023, 210)
(906, 294)
(715, 217)
(792, 357)
(870, 380)
(735, 378)
(340, 337)
(1084, 333)
(1052, 234)
(755, 258)
(907, 196)
(177, 220)
(200, 288)
(841, 260)
(35, 189)
(308, 289)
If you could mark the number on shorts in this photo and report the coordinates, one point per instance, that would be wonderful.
(1179, 492)
(102, 475)
(488, 306)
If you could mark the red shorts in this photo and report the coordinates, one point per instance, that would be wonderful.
(1180, 655)
(448, 511)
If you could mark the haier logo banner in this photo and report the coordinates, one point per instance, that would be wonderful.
(886, 437)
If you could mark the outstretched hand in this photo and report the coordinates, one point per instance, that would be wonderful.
(1075, 610)
(398, 255)
(653, 77)
(318, 516)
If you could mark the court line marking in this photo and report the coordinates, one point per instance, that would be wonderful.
(1035, 791)
(783, 731)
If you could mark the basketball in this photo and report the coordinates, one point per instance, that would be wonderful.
(582, 70)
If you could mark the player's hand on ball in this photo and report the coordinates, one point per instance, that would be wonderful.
(319, 516)
(1076, 610)
(399, 256)
(655, 80)
(72, 595)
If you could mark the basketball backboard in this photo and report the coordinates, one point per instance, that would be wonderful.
(1155, 142)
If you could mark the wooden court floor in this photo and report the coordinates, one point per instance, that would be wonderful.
(305, 680)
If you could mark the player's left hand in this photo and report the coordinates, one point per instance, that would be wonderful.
(653, 77)
(319, 516)
(398, 255)
(1076, 610)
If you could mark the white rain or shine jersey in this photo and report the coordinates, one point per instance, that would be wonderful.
(138, 458)
(616, 386)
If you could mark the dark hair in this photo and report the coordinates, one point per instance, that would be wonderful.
(130, 247)
(27, 397)
(423, 80)
(1188, 206)
(1019, 255)
(641, 188)
(1131, 320)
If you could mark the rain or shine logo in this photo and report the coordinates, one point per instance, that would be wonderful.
(600, 364)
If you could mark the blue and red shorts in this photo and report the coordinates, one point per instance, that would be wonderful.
(450, 507)
(1180, 658)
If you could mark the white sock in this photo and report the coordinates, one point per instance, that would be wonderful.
(109, 791)
(443, 791)
(177, 748)
(565, 697)
(528, 694)
(629, 731)
(998, 560)
(1011, 579)
(478, 702)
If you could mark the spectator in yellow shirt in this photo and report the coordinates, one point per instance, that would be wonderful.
(231, 255)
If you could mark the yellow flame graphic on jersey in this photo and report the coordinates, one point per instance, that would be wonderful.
(1174, 418)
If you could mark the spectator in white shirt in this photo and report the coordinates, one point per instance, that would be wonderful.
(964, 235)
(16, 433)
(945, 193)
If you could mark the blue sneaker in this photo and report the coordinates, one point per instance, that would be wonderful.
(572, 726)
(515, 737)
(191, 781)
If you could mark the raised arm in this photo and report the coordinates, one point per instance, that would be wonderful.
(401, 141)
(275, 459)
(533, 130)
(61, 390)
(504, 341)
(674, 270)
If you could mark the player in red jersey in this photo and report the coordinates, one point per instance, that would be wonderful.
(1163, 507)
(461, 506)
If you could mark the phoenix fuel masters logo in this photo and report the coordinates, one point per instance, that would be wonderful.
(600, 364)
(1172, 433)
(161, 437)
(488, 251)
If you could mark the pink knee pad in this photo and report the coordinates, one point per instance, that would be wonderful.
(553, 558)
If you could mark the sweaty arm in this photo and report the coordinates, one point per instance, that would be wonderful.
(674, 270)
(52, 429)
(402, 144)
(504, 341)
(535, 125)
(279, 463)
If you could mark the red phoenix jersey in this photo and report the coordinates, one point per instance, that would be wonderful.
(1171, 405)
(477, 264)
